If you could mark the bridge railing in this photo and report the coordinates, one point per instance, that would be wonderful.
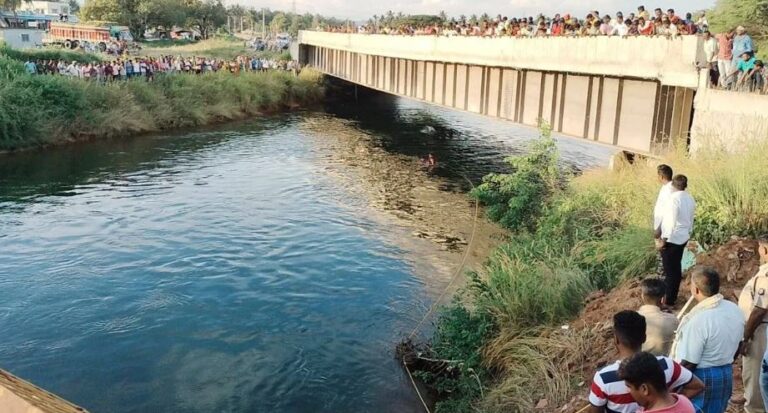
(672, 61)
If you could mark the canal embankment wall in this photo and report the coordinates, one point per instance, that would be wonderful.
(728, 119)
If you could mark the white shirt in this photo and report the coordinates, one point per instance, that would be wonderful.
(710, 50)
(677, 218)
(711, 337)
(658, 211)
(620, 29)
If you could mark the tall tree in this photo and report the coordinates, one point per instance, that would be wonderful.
(279, 23)
(74, 7)
(125, 12)
(751, 14)
(207, 15)
(12, 5)
(163, 13)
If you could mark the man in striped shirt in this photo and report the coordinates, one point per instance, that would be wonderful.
(609, 393)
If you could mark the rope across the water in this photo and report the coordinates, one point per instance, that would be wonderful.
(458, 269)
(442, 295)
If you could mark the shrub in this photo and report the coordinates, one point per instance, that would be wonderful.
(515, 200)
(459, 336)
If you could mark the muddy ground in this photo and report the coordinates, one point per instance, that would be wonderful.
(736, 261)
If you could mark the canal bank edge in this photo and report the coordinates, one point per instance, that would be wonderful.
(40, 110)
(19, 396)
(502, 345)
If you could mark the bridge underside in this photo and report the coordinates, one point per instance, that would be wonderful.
(638, 115)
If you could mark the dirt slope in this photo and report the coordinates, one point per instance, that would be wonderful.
(736, 261)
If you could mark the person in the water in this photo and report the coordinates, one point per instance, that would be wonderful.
(429, 161)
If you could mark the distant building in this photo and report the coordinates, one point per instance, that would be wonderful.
(46, 7)
(21, 38)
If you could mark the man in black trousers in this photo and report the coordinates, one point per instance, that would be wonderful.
(676, 227)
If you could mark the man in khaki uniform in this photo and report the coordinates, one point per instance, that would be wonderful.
(660, 326)
(753, 302)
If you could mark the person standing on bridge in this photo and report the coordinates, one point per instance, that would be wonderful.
(742, 43)
(724, 57)
(710, 56)
(676, 227)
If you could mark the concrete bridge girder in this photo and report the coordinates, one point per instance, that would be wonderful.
(636, 114)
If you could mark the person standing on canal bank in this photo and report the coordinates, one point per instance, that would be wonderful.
(645, 380)
(676, 226)
(708, 340)
(660, 326)
(664, 175)
(609, 393)
(753, 302)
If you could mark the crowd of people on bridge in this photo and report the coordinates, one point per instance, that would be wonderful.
(148, 67)
(684, 363)
(640, 23)
(730, 56)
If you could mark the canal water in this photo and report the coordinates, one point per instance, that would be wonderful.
(264, 266)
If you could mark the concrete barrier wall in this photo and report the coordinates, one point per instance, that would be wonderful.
(671, 61)
(728, 119)
(633, 114)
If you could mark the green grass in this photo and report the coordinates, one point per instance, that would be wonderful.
(47, 54)
(37, 110)
(156, 44)
(218, 48)
(587, 232)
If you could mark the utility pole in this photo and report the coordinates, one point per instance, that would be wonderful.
(263, 26)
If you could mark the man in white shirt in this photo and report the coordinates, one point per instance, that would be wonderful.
(676, 226)
(710, 48)
(753, 303)
(708, 339)
(664, 173)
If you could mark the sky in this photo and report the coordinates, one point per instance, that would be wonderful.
(364, 9)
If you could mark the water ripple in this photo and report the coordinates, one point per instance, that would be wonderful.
(228, 270)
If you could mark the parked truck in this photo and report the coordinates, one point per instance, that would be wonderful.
(72, 36)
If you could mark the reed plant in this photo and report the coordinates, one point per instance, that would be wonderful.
(47, 54)
(534, 366)
(591, 232)
(38, 110)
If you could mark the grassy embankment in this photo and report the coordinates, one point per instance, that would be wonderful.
(219, 48)
(501, 339)
(38, 110)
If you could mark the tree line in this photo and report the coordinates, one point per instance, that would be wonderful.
(206, 16)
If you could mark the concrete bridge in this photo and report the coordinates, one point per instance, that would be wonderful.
(633, 93)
